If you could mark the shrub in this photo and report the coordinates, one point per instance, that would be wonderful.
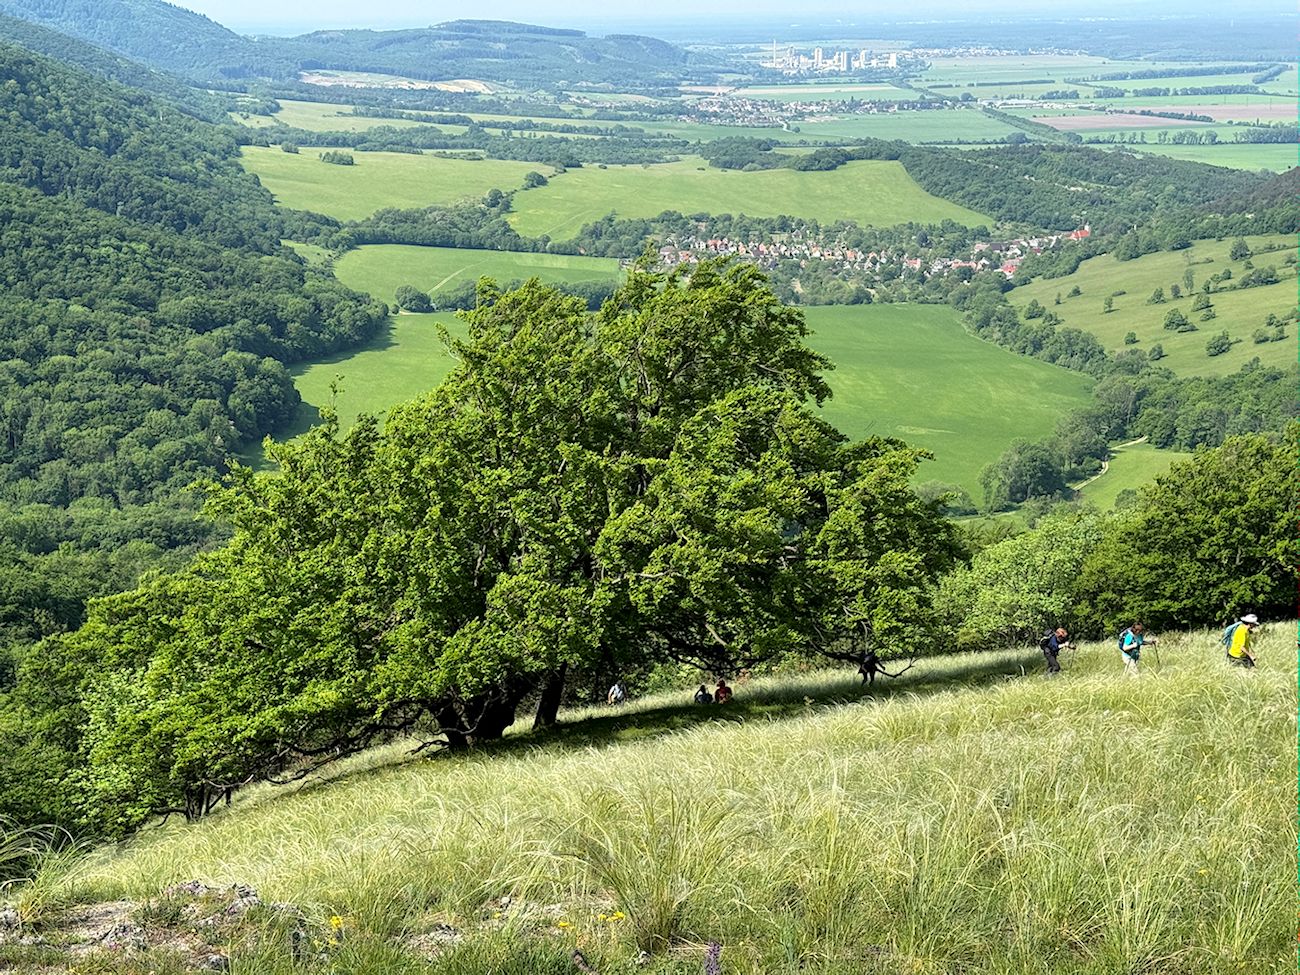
(1218, 344)
(411, 298)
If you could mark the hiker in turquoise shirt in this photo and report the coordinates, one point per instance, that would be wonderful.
(1131, 642)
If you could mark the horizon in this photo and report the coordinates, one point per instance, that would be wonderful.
(737, 17)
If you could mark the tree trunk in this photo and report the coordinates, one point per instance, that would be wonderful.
(449, 723)
(548, 704)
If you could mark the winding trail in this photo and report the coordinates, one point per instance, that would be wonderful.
(1105, 464)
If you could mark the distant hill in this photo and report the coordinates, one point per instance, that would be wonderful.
(196, 46)
(521, 54)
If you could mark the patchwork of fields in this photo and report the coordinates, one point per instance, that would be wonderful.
(870, 192)
(1131, 284)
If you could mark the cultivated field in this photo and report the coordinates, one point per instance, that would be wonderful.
(378, 180)
(912, 371)
(1094, 121)
(824, 92)
(1237, 312)
(381, 268)
(1275, 158)
(1013, 68)
(1130, 467)
(969, 817)
(870, 192)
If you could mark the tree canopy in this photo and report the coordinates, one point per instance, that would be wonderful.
(644, 484)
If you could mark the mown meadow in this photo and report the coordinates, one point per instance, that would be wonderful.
(971, 816)
(382, 268)
(872, 192)
(377, 179)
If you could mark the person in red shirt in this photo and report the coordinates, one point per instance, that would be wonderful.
(723, 693)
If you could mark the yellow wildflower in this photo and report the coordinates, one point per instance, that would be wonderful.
(617, 916)
(563, 924)
(336, 923)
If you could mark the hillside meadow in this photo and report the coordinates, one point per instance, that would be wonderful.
(381, 268)
(377, 180)
(907, 371)
(872, 192)
(970, 816)
(1128, 468)
(1239, 312)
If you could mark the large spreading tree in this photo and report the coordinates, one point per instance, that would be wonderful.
(647, 484)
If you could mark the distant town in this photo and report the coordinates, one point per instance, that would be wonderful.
(792, 62)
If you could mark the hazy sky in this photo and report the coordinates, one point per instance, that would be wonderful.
(300, 15)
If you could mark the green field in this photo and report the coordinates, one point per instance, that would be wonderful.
(931, 125)
(908, 371)
(869, 192)
(1016, 67)
(969, 817)
(327, 117)
(1129, 468)
(378, 180)
(1274, 158)
(912, 371)
(407, 359)
(381, 268)
(1238, 312)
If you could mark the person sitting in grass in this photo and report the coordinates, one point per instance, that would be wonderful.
(1131, 642)
(1052, 645)
(702, 696)
(617, 694)
(722, 693)
(1238, 638)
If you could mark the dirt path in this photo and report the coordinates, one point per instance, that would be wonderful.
(1105, 464)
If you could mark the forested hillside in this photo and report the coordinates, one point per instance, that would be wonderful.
(148, 310)
(105, 64)
(518, 54)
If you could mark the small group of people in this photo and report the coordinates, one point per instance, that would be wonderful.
(721, 694)
(1237, 641)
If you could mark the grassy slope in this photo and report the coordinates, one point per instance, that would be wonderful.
(904, 371)
(379, 179)
(1239, 312)
(1131, 466)
(406, 359)
(961, 819)
(870, 192)
(912, 371)
(381, 268)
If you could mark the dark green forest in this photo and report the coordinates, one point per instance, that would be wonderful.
(148, 314)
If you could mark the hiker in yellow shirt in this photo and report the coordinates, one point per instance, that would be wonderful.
(1238, 639)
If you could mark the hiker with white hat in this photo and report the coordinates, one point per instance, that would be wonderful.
(1237, 638)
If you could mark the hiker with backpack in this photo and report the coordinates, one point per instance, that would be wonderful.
(1237, 640)
(1131, 642)
(1052, 645)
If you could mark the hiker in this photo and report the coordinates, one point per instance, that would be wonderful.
(871, 666)
(617, 694)
(1131, 642)
(702, 696)
(1237, 640)
(1051, 645)
(722, 694)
